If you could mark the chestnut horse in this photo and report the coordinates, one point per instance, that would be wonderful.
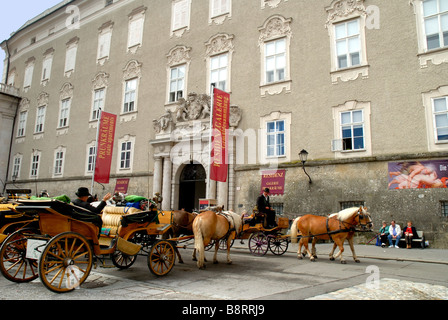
(209, 226)
(182, 224)
(337, 227)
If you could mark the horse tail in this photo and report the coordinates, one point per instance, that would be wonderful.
(294, 230)
(198, 239)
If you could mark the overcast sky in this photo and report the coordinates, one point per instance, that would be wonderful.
(15, 13)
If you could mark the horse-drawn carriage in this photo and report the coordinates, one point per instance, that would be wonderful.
(69, 241)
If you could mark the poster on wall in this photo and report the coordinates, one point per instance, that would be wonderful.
(418, 174)
(274, 180)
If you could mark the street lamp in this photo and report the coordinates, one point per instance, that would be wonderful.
(303, 157)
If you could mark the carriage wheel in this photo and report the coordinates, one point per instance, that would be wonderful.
(161, 258)
(122, 260)
(278, 245)
(223, 244)
(14, 264)
(210, 245)
(65, 262)
(258, 244)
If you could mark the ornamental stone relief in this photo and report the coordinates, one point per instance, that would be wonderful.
(132, 70)
(343, 9)
(275, 27)
(179, 55)
(219, 43)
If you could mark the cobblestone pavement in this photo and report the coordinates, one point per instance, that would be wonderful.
(388, 289)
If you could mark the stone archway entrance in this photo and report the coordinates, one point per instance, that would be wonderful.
(192, 186)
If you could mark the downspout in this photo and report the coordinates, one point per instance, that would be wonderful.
(15, 118)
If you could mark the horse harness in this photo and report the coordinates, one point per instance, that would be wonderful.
(231, 228)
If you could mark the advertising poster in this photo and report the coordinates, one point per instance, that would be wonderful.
(418, 174)
(274, 180)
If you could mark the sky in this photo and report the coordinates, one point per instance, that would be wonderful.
(15, 13)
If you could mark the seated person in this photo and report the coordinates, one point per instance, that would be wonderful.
(410, 233)
(394, 234)
(265, 207)
(82, 201)
(384, 233)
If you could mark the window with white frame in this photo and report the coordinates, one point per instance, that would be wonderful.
(352, 137)
(180, 15)
(275, 59)
(136, 27)
(29, 70)
(352, 130)
(274, 43)
(40, 119)
(35, 159)
(46, 68)
(59, 162)
(17, 164)
(21, 129)
(440, 108)
(130, 95)
(348, 43)
(64, 113)
(275, 138)
(177, 83)
(70, 56)
(104, 42)
(98, 103)
(125, 155)
(91, 158)
(219, 7)
(219, 71)
(435, 15)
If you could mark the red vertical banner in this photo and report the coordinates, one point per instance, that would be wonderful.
(105, 147)
(220, 143)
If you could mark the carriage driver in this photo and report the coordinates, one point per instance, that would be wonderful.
(264, 206)
(83, 195)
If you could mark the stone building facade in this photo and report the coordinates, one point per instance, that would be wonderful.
(359, 84)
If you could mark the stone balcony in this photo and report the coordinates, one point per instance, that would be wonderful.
(9, 90)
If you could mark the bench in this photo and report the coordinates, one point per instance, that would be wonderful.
(420, 242)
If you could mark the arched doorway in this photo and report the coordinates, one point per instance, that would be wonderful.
(192, 186)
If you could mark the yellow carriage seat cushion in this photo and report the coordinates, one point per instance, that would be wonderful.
(111, 218)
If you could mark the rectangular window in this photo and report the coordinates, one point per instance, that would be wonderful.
(444, 207)
(70, 59)
(435, 13)
(135, 32)
(64, 113)
(352, 125)
(220, 7)
(46, 68)
(177, 83)
(16, 167)
(351, 204)
(276, 138)
(104, 41)
(22, 124)
(98, 103)
(348, 44)
(275, 59)
(129, 95)
(219, 69)
(35, 166)
(125, 162)
(181, 14)
(58, 163)
(91, 159)
(440, 108)
(40, 120)
(28, 75)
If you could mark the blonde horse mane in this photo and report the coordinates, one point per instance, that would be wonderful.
(346, 213)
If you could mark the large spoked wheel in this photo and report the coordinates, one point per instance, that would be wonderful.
(161, 258)
(258, 244)
(223, 244)
(14, 264)
(122, 260)
(278, 245)
(65, 262)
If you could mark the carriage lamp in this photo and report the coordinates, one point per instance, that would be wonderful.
(303, 157)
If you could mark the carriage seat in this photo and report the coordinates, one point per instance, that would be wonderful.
(111, 217)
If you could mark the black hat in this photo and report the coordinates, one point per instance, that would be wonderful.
(82, 192)
(266, 190)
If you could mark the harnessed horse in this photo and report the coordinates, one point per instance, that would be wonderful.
(337, 227)
(210, 226)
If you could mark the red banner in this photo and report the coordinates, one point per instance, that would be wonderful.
(274, 180)
(219, 153)
(105, 147)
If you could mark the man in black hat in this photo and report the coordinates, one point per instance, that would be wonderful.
(82, 201)
(264, 206)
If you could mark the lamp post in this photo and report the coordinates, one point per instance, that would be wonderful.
(303, 157)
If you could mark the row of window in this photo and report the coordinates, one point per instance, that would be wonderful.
(125, 155)
(347, 43)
